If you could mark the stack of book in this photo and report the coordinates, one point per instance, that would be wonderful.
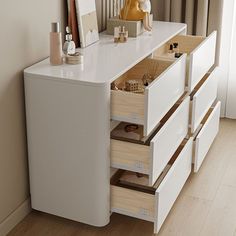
(82, 19)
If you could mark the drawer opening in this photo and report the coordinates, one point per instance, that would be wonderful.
(203, 122)
(133, 133)
(145, 93)
(199, 85)
(186, 44)
(140, 182)
(140, 77)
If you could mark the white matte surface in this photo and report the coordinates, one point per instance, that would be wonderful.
(68, 125)
(203, 99)
(68, 129)
(86, 7)
(167, 140)
(201, 60)
(206, 137)
(105, 61)
(172, 184)
(164, 93)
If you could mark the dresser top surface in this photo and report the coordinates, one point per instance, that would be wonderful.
(105, 61)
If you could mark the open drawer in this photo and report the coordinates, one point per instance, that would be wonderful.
(206, 135)
(131, 196)
(202, 98)
(148, 107)
(201, 55)
(150, 156)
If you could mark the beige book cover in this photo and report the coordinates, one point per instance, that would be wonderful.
(87, 22)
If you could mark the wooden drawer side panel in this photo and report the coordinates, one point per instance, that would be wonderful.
(127, 107)
(132, 203)
(130, 156)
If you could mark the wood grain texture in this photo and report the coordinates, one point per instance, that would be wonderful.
(152, 159)
(205, 207)
(139, 204)
(130, 156)
(201, 51)
(187, 43)
(127, 106)
(131, 107)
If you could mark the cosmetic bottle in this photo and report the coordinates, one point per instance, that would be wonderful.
(176, 50)
(55, 45)
(69, 45)
(170, 49)
(116, 34)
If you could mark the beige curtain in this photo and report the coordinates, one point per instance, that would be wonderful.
(193, 12)
(107, 9)
(201, 16)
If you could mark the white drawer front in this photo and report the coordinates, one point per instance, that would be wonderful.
(151, 160)
(173, 183)
(167, 140)
(201, 60)
(154, 205)
(164, 93)
(206, 137)
(203, 99)
(150, 107)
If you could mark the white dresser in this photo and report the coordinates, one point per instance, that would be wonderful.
(71, 111)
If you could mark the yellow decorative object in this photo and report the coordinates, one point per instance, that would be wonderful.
(135, 10)
(131, 11)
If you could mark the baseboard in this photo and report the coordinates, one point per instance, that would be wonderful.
(16, 217)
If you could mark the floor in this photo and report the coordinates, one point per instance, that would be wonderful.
(205, 207)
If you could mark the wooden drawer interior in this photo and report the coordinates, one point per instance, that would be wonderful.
(132, 103)
(200, 55)
(187, 44)
(131, 195)
(140, 138)
(133, 148)
(152, 68)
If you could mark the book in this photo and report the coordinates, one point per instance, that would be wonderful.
(72, 21)
(87, 22)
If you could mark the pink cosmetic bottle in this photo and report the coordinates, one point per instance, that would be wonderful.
(56, 45)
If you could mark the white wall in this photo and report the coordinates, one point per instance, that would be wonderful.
(231, 95)
(24, 34)
(225, 48)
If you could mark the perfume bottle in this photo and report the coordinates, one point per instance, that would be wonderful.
(170, 49)
(176, 50)
(56, 45)
(69, 45)
(171, 52)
